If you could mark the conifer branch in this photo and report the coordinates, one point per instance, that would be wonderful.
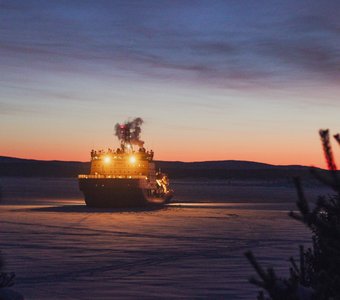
(317, 275)
(324, 134)
(337, 138)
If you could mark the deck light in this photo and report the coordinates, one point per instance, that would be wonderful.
(107, 159)
(132, 159)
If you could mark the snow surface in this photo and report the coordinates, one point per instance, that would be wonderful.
(61, 249)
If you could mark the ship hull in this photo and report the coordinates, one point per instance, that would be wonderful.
(119, 192)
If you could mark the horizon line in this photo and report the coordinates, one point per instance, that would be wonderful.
(175, 161)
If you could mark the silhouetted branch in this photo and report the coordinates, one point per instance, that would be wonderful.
(256, 266)
(302, 267)
(301, 203)
(317, 277)
(337, 138)
(6, 279)
(324, 134)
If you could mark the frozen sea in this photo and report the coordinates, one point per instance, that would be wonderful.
(191, 248)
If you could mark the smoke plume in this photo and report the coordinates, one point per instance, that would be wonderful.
(129, 132)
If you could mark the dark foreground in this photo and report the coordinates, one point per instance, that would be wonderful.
(61, 249)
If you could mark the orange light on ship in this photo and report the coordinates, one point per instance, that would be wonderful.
(107, 159)
(132, 159)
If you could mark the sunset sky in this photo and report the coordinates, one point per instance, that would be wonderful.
(213, 80)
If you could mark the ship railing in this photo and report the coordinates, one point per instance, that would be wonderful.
(99, 176)
(142, 156)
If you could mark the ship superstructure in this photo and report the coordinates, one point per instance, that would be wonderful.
(124, 176)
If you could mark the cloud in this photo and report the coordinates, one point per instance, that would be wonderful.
(232, 45)
(313, 57)
(15, 109)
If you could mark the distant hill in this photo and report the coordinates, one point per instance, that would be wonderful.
(217, 165)
(228, 169)
(233, 169)
(18, 167)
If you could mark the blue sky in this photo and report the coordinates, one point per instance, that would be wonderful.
(255, 78)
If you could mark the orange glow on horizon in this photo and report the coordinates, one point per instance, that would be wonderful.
(312, 158)
(288, 150)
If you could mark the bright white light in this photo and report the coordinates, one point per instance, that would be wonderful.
(107, 159)
(132, 159)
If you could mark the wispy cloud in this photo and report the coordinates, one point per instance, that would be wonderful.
(226, 43)
(16, 109)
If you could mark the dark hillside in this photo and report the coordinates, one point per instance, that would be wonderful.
(229, 169)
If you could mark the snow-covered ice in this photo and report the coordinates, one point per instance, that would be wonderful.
(61, 249)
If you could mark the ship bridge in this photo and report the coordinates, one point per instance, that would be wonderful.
(121, 164)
